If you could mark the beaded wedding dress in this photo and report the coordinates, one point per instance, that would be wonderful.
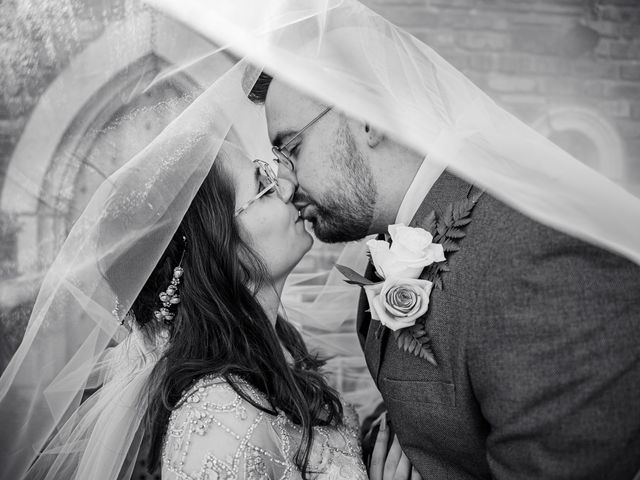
(216, 434)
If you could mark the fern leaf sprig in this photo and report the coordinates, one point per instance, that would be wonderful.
(415, 340)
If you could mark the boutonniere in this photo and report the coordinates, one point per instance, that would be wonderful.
(409, 267)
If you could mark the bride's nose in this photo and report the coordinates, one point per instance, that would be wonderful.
(286, 189)
(287, 184)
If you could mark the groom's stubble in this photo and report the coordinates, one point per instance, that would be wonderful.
(345, 213)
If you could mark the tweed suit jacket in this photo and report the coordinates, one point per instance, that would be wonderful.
(537, 338)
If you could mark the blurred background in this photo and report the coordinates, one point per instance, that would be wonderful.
(71, 71)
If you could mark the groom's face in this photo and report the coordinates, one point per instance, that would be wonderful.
(336, 188)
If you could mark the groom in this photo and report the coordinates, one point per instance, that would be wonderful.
(535, 333)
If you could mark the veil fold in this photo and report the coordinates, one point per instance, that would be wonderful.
(348, 56)
(74, 392)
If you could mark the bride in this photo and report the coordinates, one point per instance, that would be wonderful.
(236, 391)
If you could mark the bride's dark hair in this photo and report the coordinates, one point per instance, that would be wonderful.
(221, 329)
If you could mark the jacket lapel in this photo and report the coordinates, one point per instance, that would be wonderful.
(367, 329)
(447, 189)
(364, 317)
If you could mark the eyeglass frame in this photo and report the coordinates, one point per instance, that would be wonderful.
(278, 151)
(271, 176)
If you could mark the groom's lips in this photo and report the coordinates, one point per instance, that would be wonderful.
(304, 213)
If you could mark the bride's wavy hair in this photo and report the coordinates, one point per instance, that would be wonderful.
(221, 329)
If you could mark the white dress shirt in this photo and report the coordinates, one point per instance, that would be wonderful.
(425, 177)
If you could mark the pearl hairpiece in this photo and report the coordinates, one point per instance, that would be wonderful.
(170, 296)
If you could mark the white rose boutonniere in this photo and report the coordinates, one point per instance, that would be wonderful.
(411, 250)
(400, 302)
(402, 298)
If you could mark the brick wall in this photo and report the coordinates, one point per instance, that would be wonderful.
(532, 54)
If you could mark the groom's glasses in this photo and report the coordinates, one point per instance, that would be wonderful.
(267, 181)
(282, 153)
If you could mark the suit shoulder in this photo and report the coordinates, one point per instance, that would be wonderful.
(513, 233)
(532, 268)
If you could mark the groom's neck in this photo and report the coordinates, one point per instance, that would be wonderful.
(393, 178)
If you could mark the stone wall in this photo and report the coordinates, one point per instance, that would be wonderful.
(35, 51)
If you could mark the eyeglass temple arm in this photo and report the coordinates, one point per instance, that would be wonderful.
(256, 198)
(318, 117)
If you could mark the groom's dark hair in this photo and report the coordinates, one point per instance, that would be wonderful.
(258, 91)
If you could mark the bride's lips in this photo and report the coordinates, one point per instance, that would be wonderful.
(298, 216)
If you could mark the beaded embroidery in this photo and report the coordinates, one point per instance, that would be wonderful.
(215, 434)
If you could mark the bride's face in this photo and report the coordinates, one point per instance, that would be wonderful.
(270, 224)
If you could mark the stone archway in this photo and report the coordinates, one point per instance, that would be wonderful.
(119, 122)
(41, 187)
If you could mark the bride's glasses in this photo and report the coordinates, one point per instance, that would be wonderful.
(267, 180)
(282, 153)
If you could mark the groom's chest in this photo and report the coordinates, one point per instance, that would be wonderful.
(404, 376)
(429, 404)
(450, 313)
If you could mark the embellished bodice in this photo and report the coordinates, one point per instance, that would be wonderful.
(215, 434)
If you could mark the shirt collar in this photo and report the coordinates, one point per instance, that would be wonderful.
(425, 177)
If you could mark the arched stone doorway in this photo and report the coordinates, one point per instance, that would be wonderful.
(59, 155)
(60, 159)
(118, 122)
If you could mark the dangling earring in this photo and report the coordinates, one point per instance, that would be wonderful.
(170, 296)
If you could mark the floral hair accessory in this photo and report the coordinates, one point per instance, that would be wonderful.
(170, 296)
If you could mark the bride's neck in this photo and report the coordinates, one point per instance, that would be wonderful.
(269, 298)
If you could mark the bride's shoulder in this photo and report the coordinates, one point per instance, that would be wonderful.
(208, 388)
(214, 398)
(215, 391)
(212, 427)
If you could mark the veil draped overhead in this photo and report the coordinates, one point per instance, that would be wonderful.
(348, 56)
(74, 391)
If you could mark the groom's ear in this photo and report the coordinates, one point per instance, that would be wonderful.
(374, 136)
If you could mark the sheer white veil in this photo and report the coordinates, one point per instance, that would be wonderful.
(345, 55)
(78, 342)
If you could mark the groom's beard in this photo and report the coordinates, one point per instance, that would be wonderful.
(345, 214)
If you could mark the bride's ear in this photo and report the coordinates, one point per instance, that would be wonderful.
(374, 136)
